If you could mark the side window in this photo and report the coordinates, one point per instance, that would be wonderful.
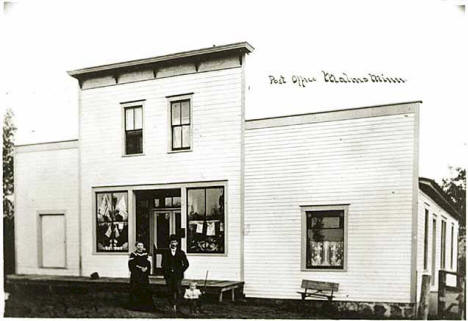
(133, 130)
(324, 238)
(180, 119)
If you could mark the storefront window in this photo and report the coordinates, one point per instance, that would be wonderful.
(205, 220)
(325, 239)
(112, 222)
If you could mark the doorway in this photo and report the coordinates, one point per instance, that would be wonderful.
(164, 223)
(158, 215)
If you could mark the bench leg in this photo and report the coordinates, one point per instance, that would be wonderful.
(233, 296)
(220, 299)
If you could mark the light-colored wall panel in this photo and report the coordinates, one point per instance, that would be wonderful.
(364, 162)
(46, 181)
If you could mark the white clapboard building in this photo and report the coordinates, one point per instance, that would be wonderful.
(164, 147)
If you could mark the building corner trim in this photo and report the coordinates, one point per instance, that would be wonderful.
(414, 212)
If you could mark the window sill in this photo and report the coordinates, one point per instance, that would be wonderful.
(133, 155)
(207, 254)
(179, 151)
(111, 253)
(323, 270)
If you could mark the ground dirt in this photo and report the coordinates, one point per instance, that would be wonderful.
(115, 305)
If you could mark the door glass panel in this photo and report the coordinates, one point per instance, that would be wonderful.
(163, 229)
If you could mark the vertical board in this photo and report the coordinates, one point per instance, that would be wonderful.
(53, 240)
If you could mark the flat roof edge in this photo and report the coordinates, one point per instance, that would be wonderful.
(47, 146)
(337, 110)
(245, 47)
(334, 115)
(46, 143)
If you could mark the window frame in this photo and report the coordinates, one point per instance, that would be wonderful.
(132, 105)
(225, 220)
(318, 208)
(174, 99)
(96, 223)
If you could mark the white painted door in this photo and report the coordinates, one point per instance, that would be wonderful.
(53, 240)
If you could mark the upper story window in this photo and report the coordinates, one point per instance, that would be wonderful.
(180, 124)
(133, 130)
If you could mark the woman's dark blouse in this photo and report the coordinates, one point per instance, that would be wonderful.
(136, 260)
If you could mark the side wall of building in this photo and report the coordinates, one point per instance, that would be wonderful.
(215, 157)
(46, 188)
(365, 161)
(433, 264)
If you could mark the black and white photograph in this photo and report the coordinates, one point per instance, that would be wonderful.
(234, 160)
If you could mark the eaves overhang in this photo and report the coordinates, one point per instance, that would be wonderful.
(435, 192)
(192, 55)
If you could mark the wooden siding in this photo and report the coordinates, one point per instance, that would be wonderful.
(215, 155)
(46, 181)
(435, 211)
(366, 163)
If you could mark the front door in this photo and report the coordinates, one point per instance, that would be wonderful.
(165, 223)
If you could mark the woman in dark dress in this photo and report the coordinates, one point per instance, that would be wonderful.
(140, 294)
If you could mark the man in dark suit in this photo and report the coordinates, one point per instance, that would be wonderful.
(174, 263)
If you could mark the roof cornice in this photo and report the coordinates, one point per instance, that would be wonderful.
(240, 47)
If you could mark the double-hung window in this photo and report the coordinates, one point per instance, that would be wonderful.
(324, 237)
(180, 124)
(133, 130)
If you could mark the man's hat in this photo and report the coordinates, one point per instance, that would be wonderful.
(173, 237)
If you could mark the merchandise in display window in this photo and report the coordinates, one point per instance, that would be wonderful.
(205, 220)
(112, 222)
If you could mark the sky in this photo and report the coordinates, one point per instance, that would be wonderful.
(422, 43)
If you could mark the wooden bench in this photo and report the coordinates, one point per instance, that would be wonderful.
(322, 289)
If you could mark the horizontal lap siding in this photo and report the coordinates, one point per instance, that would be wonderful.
(366, 163)
(45, 181)
(216, 130)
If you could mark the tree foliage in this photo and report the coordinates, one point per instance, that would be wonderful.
(8, 190)
(8, 161)
(455, 187)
